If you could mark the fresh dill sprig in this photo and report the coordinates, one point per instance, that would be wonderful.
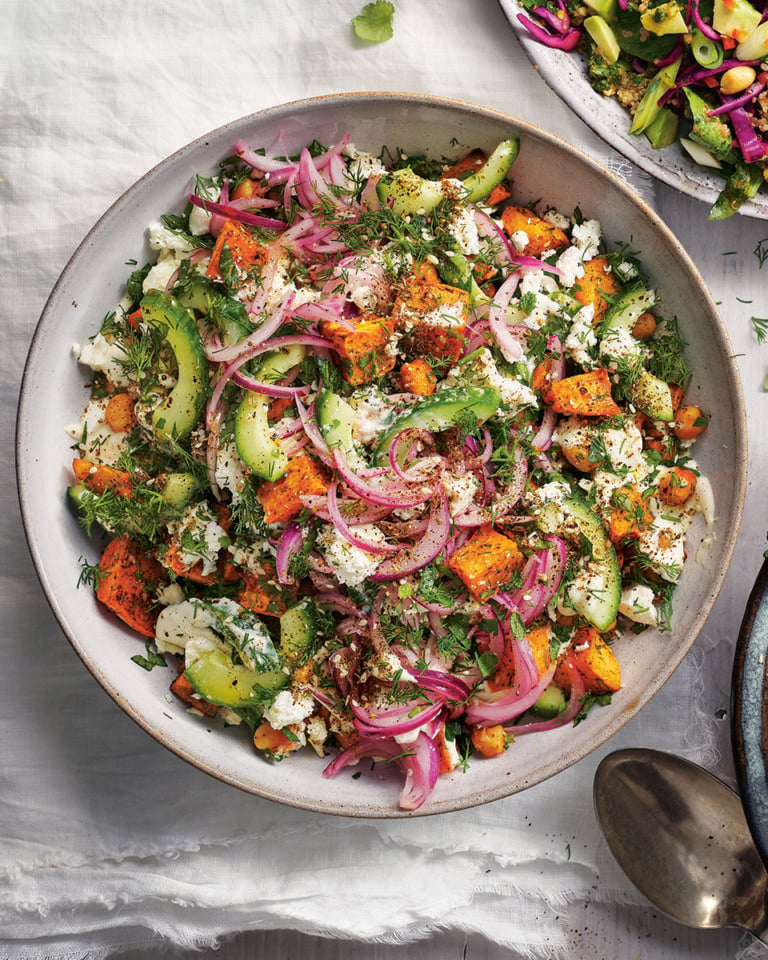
(761, 251)
(760, 326)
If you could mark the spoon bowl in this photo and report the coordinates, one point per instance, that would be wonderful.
(681, 837)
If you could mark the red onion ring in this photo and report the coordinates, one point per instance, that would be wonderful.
(345, 530)
(423, 551)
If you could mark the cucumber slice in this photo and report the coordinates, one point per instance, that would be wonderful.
(335, 418)
(550, 703)
(598, 598)
(178, 489)
(627, 309)
(180, 411)
(409, 194)
(493, 171)
(441, 411)
(652, 396)
(648, 393)
(216, 679)
(255, 444)
(298, 629)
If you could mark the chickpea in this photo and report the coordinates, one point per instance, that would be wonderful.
(689, 422)
(645, 326)
(677, 486)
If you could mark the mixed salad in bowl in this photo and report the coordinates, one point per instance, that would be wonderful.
(692, 72)
(384, 461)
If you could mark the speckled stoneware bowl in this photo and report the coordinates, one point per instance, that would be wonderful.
(54, 393)
(565, 73)
(749, 712)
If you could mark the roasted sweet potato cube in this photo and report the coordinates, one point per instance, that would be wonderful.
(126, 584)
(243, 247)
(424, 298)
(489, 741)
(489, 560)
(595, 661)
(432, 318)
(418, 377)
(265, 594)
(586, 394)
(598, 286)
(542, 235)
(627, 514)
(281, 498)
(470, 163)
(362, 348)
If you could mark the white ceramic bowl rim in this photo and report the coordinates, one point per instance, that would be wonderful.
(52, 533)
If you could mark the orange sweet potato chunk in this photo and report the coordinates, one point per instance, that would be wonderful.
(486, 562)
(595, 661)
(598, 286)
(362, 347)
(281, 498)
(585, 394)
(542, 235)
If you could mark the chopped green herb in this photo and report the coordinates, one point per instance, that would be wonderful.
(374, 22)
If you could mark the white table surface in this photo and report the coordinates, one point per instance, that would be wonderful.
(471, 54)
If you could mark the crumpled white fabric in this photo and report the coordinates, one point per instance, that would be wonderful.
(106, 839)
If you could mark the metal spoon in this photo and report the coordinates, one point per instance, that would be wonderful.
(681, 837)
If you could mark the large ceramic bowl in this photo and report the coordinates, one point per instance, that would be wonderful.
(54, 393)
(566, 74)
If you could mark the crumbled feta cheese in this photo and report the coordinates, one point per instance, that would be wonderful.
(581, 337)
(570, 265)
(288, 709)
(449, 315)
(626, 270)
(317, 734)
(199, 537)
(363, 165)
(95, 439)
(460, 491)
(556, 218)
(169, 594)
(161, 238)
(537, 281)
(625, 448)
(520, 240)
(160, 275)
(231, 472)
(463, 229)
(586, 237)
(637, 604)
(351, 565)
(661, 542)
(104, 356)
(199, 221)
(619, 344)
(513, 393)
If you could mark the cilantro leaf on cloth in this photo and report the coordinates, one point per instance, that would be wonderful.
(374, 22)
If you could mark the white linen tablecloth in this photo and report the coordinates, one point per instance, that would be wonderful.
(107, 841)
